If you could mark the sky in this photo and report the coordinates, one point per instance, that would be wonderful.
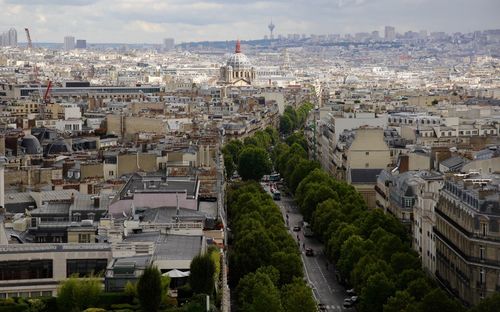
(149, 21)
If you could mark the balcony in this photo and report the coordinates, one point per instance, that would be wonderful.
(465, 257)
(471, 236)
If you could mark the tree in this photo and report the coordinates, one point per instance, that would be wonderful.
(438, 301)
(313, 196)
(149, 289)
(286, 124)
(378, 288)
(76, 294)
(228, 165)
(419, 288)
(297, 297)
(401, 261)
(257, 292)
(233, 148)
(288, 264)
(252, 250)
(301, 170)
(351, 251)
(297, 137)
(253, 163)
(202, 273)
(399, 302)
(489, 304)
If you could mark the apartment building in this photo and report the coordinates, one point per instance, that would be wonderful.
(468, 235)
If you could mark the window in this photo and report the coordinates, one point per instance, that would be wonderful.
(85, 267)
(111, 173)
(32, 269)
(484, 229)
(367, 153)
(84, 238)
(481, 252)
(481, 276)
(367, 165)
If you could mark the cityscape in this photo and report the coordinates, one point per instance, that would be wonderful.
(283, 170)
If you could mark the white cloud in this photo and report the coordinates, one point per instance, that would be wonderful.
(186, 20)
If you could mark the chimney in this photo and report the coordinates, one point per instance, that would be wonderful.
(97, 201)
(404, 163)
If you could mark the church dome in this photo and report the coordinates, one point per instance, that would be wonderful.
(59, 146)
(238, 61)
(31, 145)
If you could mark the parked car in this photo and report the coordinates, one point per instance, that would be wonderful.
(354, 299)
(309, 252)
(296, 228)
(351, 292)
(348, 303)
(321, 307)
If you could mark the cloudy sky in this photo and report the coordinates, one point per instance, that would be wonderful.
(148, 21)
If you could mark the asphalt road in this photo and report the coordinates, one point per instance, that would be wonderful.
(320, 277)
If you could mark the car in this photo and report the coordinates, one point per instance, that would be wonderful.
(296, 228)
(351, 292)
(321, 307)
(348, 304)
(347, 300)
(354, 299)
(309, 252)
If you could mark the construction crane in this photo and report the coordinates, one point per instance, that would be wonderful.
(46, 96)
(30, 44)
(46, 100)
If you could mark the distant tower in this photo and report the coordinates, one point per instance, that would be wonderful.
(271, 29)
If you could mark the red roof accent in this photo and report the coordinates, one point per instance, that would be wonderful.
(238, 47)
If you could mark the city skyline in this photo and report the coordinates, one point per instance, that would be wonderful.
(149, 21)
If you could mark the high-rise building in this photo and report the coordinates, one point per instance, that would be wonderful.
(12, 33)
(81, 44)
(390, 33)
(69, 43)
(9, 38)
(168, 44)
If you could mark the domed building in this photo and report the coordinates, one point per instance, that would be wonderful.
(238, 70)
(30, 145)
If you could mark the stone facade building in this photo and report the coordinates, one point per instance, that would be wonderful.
(468, 236)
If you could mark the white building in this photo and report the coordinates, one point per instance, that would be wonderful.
(69, 43)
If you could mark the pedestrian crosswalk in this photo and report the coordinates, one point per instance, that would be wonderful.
(333, 307)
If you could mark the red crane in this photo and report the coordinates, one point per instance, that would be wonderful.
(46, 96)
(46, 99)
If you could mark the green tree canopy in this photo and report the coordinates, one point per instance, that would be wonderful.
(399, 302)
(286, 124)
(297, 297)
(288, 264)
(438, 301)
(229, 165)
(257, 292)
(378, 289)
(75, 295)
(149, 289)
(202, 273)
(254, 162)
(489, 304)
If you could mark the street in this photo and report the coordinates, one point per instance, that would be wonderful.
(321, 278)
